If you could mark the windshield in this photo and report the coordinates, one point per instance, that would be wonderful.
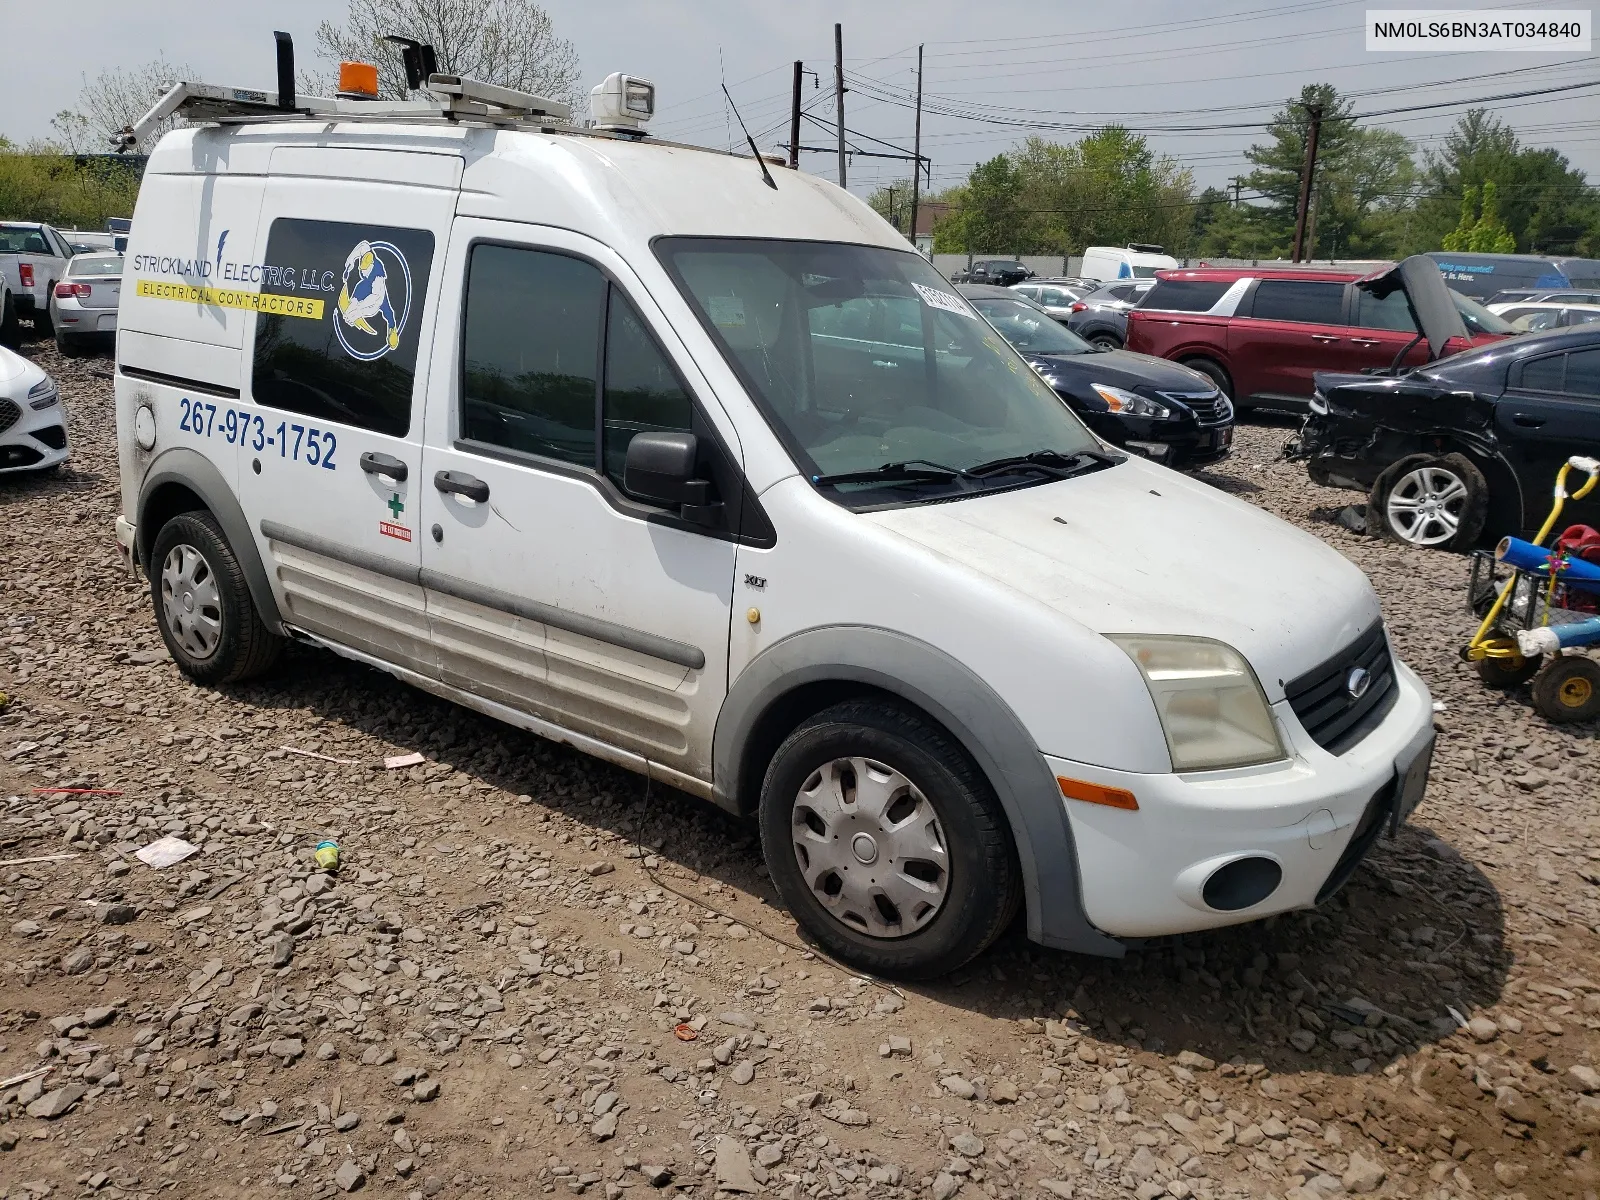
(860, 356)
(1028, 329)
(1479, 319)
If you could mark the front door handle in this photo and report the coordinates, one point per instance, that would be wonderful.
(462, 484)
(1324, 338)
(1526, 422)
(374, 463)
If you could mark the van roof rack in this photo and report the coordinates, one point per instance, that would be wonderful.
(452, 98)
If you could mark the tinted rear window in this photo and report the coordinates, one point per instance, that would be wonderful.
(1183, 295)
(1299, 300)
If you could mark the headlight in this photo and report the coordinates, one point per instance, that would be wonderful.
(1212, 709)
(43, 394)
(1118, 400)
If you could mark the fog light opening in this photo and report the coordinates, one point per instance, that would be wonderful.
(1241, 884)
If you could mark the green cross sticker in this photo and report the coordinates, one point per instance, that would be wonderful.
(395, 506)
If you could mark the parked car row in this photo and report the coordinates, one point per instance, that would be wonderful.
(65, 284)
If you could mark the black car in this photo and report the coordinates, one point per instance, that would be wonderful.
(1002, 272)
(1101, 317)
(1466, 446)
(1147, 405)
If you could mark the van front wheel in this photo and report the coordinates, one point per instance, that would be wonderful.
(203, 605)
(886, 841)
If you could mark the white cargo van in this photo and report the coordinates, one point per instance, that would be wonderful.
(1108, 263)
(703, 470)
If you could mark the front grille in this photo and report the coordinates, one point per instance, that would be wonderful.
(10, 414)
(55, 436)
(1209, 408)
(1321, 698)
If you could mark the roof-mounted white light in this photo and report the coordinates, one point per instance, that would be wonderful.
(623, 103)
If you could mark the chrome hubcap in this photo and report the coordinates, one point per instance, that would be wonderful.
(190, 602)
(1425, 506)
(870, 847)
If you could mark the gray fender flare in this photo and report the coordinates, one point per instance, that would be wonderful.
(971, 711)
(192, 470)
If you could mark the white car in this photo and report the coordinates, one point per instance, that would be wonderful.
(83, 306)
(32, 257)
(33, 422)
(547, 419)
(1536, 316)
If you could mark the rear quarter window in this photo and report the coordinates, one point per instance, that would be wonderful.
(1312, 303)
(1183, 295)
(337, 332)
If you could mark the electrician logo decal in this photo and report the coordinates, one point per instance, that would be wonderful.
(374, 300)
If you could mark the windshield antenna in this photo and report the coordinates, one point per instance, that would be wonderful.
(760, 162)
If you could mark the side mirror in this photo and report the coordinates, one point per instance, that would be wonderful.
(660, 468)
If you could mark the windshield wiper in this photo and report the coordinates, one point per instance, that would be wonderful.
(911, 470)
(1050, 462)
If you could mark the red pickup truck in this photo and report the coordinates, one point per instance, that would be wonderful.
(1262, 333)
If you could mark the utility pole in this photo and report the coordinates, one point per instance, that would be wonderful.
(838, 88)
(916, 149)
(794, 118)
(1237, 184)
(1307, 171)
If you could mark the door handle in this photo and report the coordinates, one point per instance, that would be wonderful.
(1526, 422)
(374, 463)
(1358, 341)
(1323, 337)
(462, 484)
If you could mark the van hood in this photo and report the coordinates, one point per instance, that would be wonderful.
(1137, 548)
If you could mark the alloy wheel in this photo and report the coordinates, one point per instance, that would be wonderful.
(870, 847)
(1424, 506)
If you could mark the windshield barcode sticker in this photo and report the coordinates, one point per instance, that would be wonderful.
(948, 301)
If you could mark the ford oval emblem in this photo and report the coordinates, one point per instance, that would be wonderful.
(1357, 682)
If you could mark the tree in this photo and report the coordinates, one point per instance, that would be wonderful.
(892, 202)
(112, 102)
(988, 216)
(509, 42)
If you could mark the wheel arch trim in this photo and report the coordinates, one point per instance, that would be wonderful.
(187, 468)
(952, 694)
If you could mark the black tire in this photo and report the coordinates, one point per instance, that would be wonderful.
(1106, 341)
(1213, 371)
(10, 334)
(1507, 673)
(244, 647)
(69, 344)
(1568, 689)
(43, 326)
(982, 882)
(1470, 515)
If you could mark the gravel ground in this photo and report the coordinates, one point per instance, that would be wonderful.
(491, 997)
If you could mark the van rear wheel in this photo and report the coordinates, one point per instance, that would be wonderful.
(886, 841)
(203, 605)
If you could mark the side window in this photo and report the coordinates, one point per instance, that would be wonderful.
(642, 392)
(1299, 300)
(1543, 374)
(1583, 373)
(337, 326)
(1184, 295)
(532, 352)
(1391, 312)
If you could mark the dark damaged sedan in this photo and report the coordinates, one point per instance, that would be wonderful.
(1464, 447)
(1147, 405)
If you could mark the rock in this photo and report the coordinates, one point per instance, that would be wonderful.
(77, 961)
(1509, 1174)
(427, 1090)
(655, 1176)
(282, 950)
(744, 1072)
(327, 1052)
(349, 1176)
(599, 868)
(1275, 1129)
(346, 1121)
(1585, 1078)
(945, 1185)
(958, 1087)
(27, 929)
(1003, 1091)
(1250, 1135)
(1059, 1188)
(967, 1144)
(232, 1116)
(100, 1015)
(353, 984)
(723, 1051)
(769, 1154)
(738, 1020)
(1483, 1029)
(56, 1103)
(1303, 1040)
(899, 1047)
(1362, 1175)
(1143, 1164)
(733, 1170)
(605, 1128)
(1191, 1061)
(287, 1049)
(114, 914)
(1149, 1190)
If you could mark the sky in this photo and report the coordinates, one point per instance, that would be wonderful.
(1215, 70)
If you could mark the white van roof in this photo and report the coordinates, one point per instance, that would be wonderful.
(640, 186)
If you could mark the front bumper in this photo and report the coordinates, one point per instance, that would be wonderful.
(1172, 443)
(1145, 873)
(36, 440)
